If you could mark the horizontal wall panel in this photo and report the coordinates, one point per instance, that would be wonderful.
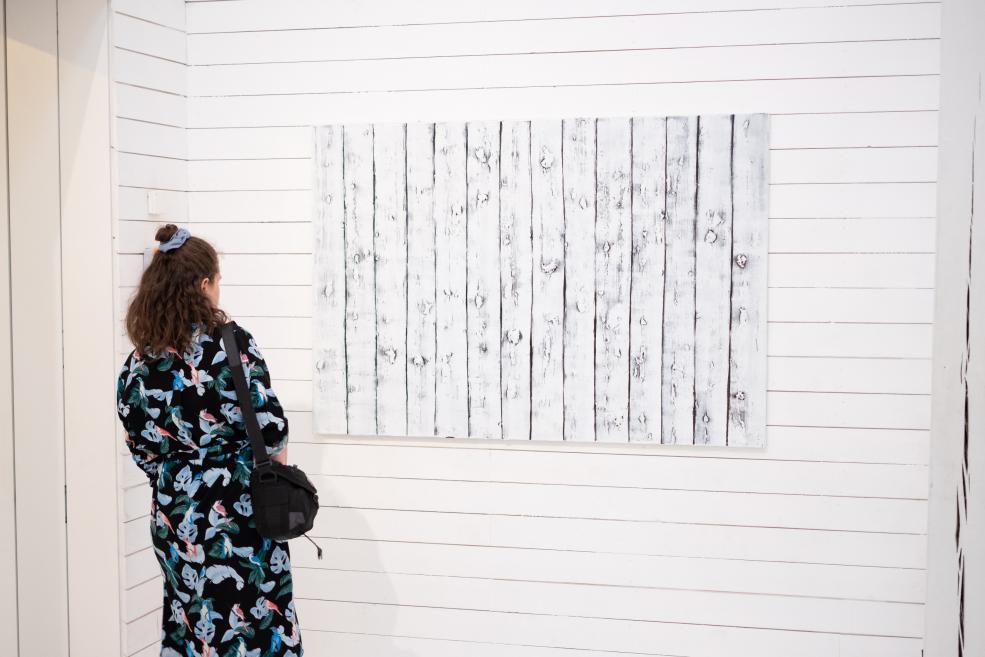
(648, 31)
(147, 138)
(609, 569)
(853, 165)
(149, 72)
(855, 235)
(163, 12)
(301, 14)
(853, 200)
(761, 544)
(580, 600)
(590, 633)
(131, 206)
(877, 411)
(850, 340)
(886, 375)
(143, 598)
(250, 206)
(649, 469)
(249, 174)
(248, 143)
(874, 94)
(891, 270)
(147, 37)
(848, 305)
(894, 516)
(820, 60)
(280, 237)
(143, 632)
(150, 105)
(794, 131)
(141, 566)
(871, 130)
(151, 172)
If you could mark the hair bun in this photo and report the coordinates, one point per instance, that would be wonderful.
(166, 232)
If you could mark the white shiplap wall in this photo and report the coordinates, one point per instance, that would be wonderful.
(150, 152)
(813, 546)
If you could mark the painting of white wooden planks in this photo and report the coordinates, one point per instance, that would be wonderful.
(579, 279)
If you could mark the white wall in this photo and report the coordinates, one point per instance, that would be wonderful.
(150, 155)
(814, 546)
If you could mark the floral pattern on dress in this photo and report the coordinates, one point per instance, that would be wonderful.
(228, 591)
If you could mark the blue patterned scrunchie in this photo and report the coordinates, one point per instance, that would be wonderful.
(176, 240)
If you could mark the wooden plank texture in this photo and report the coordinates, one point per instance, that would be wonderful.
(515, 277)
(328, 355)
(679, 285)
(360, 285)
(579, 280)
(420, 280)
(482, 280)
(747, 367)
(578, 161)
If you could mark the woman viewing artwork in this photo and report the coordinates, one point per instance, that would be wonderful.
(227, 589)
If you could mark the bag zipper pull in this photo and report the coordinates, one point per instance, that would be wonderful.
(313, 543)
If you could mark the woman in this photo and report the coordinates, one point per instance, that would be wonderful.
(227, 590)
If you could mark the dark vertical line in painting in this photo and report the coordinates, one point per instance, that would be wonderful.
(499, 250)
(406, 287)
(595, 279)
(731, 282)
(434, 299)
(663, 291)
(962, 494)
(694, 333)
(629, 289)
(468, 388)
(533, 263)
(376, 333)
(564, 281)
(345, 283)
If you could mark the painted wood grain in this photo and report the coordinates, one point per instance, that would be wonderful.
(580, 279)
(677, 407)
(328, 354)
(578, 162)
(516, 278)
(482, 277)
(546, 367)
(421, 290)
(451, 392)
(713, 255)
(360, 284)
(649, 150)
(613, 251)
(747, 366)
(390, 289)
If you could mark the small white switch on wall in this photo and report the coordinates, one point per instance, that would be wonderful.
(153, 202)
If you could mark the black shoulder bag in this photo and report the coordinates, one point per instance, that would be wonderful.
(284, 499)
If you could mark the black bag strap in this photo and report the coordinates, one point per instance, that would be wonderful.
(260, 457)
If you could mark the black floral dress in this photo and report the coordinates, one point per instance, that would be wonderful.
(227, 590)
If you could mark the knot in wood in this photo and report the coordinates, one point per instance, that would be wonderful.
(741, 259)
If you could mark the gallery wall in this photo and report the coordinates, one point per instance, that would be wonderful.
(814, 545)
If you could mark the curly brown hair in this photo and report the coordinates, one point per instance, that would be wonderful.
(170, 298)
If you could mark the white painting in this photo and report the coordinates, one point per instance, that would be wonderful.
(579, 279)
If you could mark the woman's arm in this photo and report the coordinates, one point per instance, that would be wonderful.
(281, 456)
